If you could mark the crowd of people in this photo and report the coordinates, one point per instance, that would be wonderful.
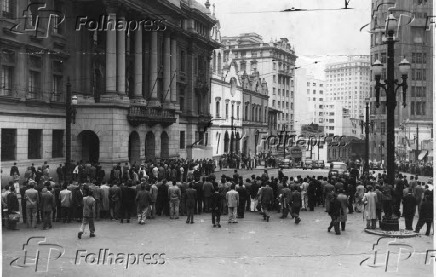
(421, 168)
(175, 188)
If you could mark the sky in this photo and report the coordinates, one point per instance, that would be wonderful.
(324, 35)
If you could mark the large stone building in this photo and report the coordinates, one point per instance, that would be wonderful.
(415, 43)
(275, 62)
(239, 108)
(142, 93)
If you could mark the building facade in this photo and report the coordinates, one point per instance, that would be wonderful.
(413, 123)
(142, 93)
(348, 84)
(275, 62)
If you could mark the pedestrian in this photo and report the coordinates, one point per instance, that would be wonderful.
(207, 193)
(105, 203)
(242, 199)
(32, 203)
(304, 197)
(335, 212)
(425, 215)
(143, 199)
(191, 196)
(342, 197)
(285, 200)
(114, 201)
(127, 200)
(409, 209)
(13, 209)
(88, 213)
(360, 191)
(266, 200)
(232, 198)
(154, 194)
(328, 189)
(296, 204)
(387, 194)
(174, 195)
(370, 204)
(65, 197)
(77, 194)
(216, 205)
(47, 205)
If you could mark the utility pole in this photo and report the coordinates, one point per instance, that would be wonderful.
(68, 133)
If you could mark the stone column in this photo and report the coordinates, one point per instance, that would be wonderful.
(154, 70)
(166, 69)
(138, 64)
(121, 60)
(111, 58)
(174, 70)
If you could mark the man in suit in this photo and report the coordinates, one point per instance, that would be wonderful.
(216, 205)
(78, 203)
(232, 198)
(207, 193)
(88, 213)
(342, 198)
(47, 205)
(266, 200)
(114, 201)
(127, 200)
(191, 196)
(286, 200)
(409, 209)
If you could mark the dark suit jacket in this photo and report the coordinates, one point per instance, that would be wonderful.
(47, 202)
(409, 205)
(216, 202)
(191, 196)
(266, 195)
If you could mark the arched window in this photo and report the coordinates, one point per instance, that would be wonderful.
(217, 109)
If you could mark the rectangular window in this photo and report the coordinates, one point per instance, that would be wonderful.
(412, 108)
(182, 139)
(6, 80)
(9, 8)
(423, 108)
(8, 144)
(34, 144)
(58, 144)
(182, 61)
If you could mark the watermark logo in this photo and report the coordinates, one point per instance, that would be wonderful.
(38, 253)
(31, 20)
(388, 254)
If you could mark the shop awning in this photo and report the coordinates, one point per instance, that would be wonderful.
(422, 154)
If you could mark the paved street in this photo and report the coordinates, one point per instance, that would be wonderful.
(250, 248)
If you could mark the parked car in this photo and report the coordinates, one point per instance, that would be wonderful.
(319, 164)
(285, 163)
(308, 164)
(338, 168)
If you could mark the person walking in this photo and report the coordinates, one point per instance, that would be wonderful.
(370, 204)
(335, 211)
(88, 213)
(174, 195)
(342, 197)
(266, 200)
(232, 198)
(409, 209)
(191, 197)
(286, 200)
(143, 199)
(425, 215)
(216, 205)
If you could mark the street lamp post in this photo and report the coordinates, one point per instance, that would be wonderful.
(366, 124)
(70, 115)
(390, 86)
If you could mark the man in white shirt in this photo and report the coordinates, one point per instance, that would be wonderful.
(65, 196)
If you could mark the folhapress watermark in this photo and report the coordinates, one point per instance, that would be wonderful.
(106, 257)
(41, 255)
(107, 23)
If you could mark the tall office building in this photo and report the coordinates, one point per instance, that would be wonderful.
(415, 43)
(275, 62)
(348, 84)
